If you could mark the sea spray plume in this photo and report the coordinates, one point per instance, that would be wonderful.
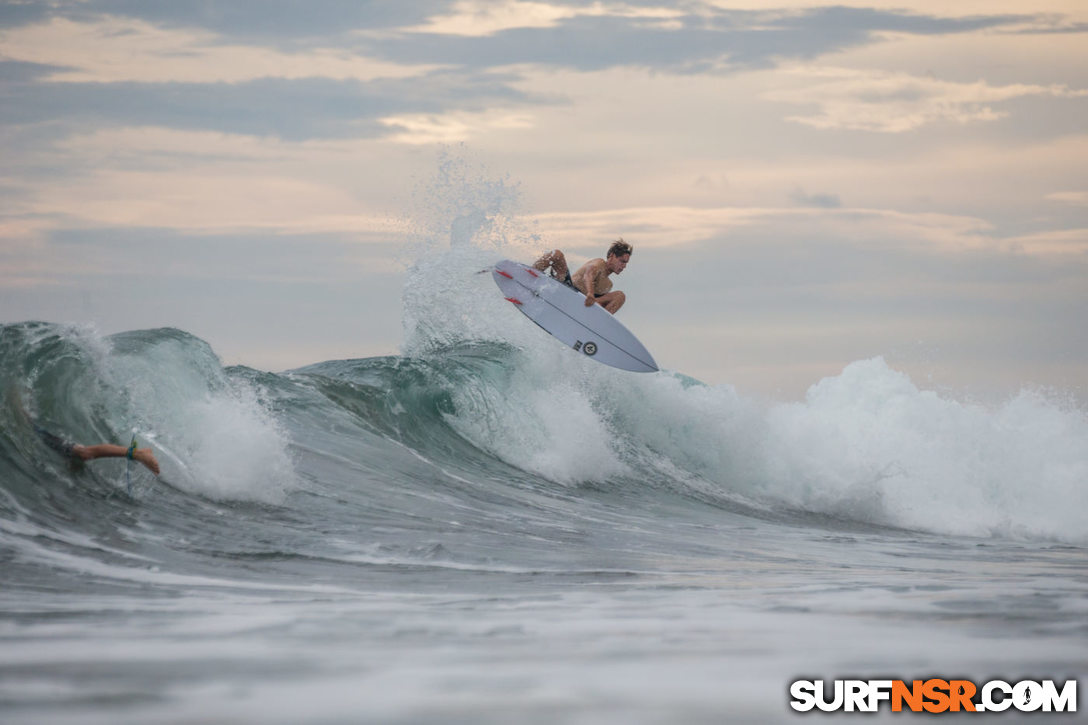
(463, 220)
(462, 204)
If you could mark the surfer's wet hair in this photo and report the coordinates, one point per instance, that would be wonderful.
(619, 248)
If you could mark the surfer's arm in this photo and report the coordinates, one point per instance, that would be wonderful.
(108, 450)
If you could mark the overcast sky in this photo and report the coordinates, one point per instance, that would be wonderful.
(805, 184)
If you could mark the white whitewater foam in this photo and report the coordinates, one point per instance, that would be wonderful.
(869, 443)
(220, 441)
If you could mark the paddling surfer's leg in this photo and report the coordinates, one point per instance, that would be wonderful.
(612, 301)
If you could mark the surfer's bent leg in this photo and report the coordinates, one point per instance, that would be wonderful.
(108, 450)
(557, 262)
(612, 301)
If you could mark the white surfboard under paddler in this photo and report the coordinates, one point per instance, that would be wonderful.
(561, 311)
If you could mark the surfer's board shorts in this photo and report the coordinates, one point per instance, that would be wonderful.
(570, 283)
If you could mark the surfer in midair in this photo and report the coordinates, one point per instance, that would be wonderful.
(592, 278)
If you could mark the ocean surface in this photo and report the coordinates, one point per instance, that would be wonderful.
(489, 528)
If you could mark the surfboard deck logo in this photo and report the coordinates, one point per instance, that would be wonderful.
(560, 310)
(589, 348)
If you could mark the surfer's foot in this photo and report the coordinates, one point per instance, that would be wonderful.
(146, 457)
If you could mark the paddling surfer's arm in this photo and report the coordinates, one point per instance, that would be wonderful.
(108, 450)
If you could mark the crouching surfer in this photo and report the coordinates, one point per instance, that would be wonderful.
(592, 278)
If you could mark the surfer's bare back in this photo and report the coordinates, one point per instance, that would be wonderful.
(591, 279)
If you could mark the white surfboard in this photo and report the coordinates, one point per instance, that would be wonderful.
(562, 312)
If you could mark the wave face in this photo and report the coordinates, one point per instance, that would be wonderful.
(167, 387)
(490, 427)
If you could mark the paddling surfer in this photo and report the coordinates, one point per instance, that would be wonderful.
(109, 450)
(592, 278)
(75, 451)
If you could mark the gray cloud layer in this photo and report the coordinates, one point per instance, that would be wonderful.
(322, 108)
(293, 109)
(268, 21)
(728, 38)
